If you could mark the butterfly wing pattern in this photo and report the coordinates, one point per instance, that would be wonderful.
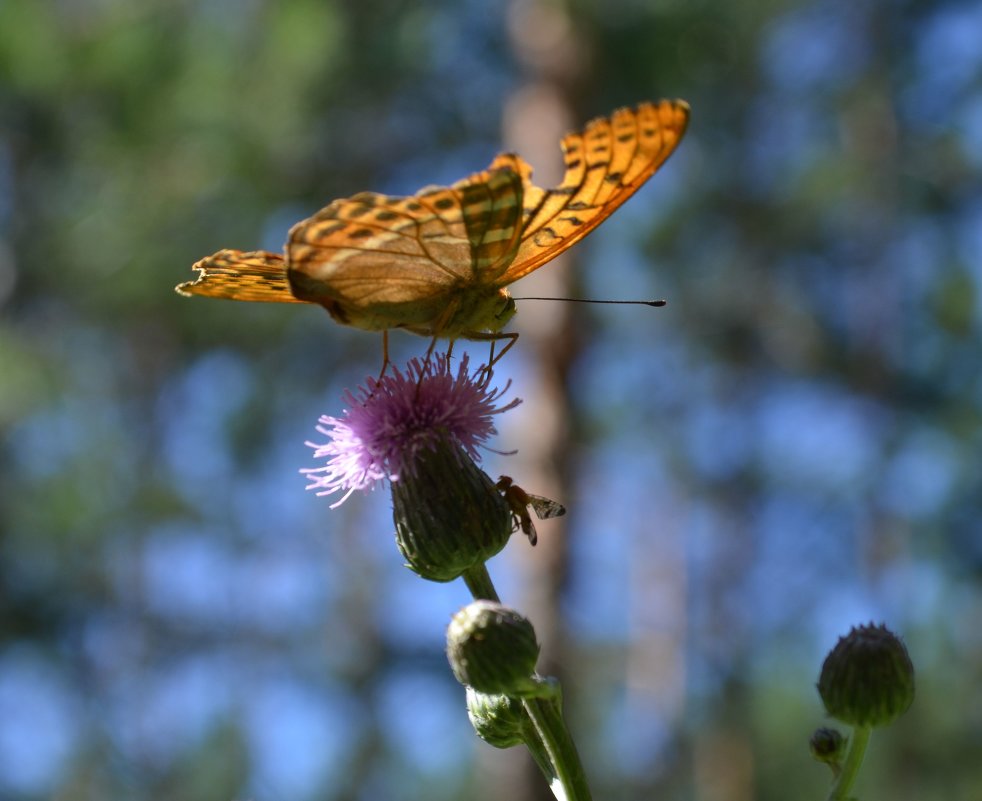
(429, 263)
(232, 274)
(437, 263)
(606, 163)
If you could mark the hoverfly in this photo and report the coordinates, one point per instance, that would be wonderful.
(521, 501)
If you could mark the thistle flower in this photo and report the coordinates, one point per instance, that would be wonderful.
(394, 420)
(422, 430)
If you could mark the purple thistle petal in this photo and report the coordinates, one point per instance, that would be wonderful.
(391, 420)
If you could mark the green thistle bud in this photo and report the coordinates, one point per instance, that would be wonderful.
(867, 679)
(828, 746)
(448, 514)
(497, 719)
(493, 649)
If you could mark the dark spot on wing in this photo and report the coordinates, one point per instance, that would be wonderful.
(328, 230)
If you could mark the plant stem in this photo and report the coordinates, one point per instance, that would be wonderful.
(568, 782)
(478, 581)
(853, 762)
(547, 738)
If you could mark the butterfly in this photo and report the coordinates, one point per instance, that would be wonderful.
(521, 501)
(438, 263)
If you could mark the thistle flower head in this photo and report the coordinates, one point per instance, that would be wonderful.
(497, 719)
(392, 422)
(868, 678)
(493, 649)
(828, 745)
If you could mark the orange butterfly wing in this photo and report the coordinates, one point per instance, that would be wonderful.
(426, 262)
(429, 262)
(606, 163)
(235, 275)
(437, 262)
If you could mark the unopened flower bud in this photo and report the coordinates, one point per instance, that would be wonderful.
(828, 746)
(449, 516)
(497, 719)
(493, 649)
(867, 679)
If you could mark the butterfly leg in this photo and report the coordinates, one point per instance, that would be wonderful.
(481, 336)
(487, 372)
(429, 355)
(425, 367)
(386, 361)
(512, 339)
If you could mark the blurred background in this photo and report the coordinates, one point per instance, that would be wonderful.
(790, 448)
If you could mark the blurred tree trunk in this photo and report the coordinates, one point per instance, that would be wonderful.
(536, 117)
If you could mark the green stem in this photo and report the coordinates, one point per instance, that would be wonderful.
(538, 751)
(568, 781)
(853, 762)
(478, 581)
(547, 738)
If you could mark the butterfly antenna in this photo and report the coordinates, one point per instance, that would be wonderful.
(614, 302)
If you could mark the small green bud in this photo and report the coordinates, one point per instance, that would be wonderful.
(828, 746)
(493, 649)
(497, 719)
(867, 679)
(448, 514)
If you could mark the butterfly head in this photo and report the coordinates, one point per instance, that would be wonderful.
(505, 311)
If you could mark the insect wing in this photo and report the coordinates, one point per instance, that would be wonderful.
(545, 508)
(528, 527)
(606, 163)
(236, 275)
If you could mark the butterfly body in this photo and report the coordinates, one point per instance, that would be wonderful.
(438, 263)
(461, 311)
